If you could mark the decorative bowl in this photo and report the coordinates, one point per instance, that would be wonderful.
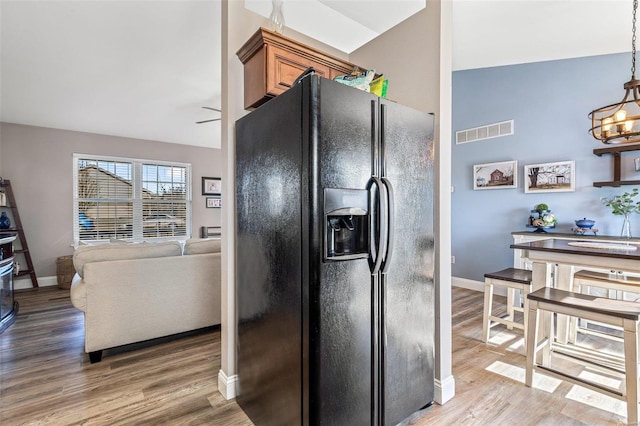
(585, 223)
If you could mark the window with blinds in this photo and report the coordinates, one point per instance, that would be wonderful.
(130, 199)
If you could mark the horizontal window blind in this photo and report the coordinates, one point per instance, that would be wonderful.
(130, 199)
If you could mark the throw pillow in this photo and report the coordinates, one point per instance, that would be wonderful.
(201, 246)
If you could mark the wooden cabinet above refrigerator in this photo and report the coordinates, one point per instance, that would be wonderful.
(272, 62)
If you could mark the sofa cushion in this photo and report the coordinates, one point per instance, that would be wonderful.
(88, 254)
(201, 246)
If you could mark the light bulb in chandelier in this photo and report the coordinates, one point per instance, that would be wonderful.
(628, 125)
(621, 115)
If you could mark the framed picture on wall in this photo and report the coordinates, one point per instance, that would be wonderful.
(503, 175)
(210, 232)
(211, 186)
(214, 202)
(550, 177)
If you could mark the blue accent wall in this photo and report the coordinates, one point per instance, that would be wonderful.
(550, 102)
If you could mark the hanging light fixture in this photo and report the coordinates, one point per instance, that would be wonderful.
(620, 122)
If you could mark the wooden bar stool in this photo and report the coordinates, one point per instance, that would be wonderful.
(513, 279)
(614, 312)
(584, 280)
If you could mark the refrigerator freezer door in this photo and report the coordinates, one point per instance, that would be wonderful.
(268, 250)
(407, 281)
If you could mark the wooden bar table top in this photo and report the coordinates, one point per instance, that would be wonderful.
(562, 252)
(544, 254)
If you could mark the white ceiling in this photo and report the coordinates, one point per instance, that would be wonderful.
(489, 33)
(353, 23)
(143, 69)
(138, 69)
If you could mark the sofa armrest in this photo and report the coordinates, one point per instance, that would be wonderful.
(78, 293)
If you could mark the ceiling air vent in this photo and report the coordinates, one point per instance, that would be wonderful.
(489, 131)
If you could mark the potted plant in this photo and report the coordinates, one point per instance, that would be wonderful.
(541, 208)
(623, 205)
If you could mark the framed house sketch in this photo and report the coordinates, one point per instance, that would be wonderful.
(550, 177)
(503, 175)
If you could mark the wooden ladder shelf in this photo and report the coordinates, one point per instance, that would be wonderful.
(17, 229)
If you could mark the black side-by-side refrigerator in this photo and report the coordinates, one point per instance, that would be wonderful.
(335, 256)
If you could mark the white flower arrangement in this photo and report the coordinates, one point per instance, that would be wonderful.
(549, 219)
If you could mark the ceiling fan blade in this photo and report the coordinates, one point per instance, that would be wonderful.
(213, 119)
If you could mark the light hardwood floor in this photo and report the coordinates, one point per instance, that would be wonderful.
(46, 378)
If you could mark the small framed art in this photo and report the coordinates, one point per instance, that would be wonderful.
(210, 232)
(211, 186)
(503, 175)
(214, 202)
(550, 177)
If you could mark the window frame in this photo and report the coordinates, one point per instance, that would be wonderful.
(137, 199)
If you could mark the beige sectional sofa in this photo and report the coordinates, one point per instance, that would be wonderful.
(135, 292)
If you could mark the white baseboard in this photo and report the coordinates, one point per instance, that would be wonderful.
(227, 385)
(476, 285)
(25, 283)
(444, 390)
(468, 284)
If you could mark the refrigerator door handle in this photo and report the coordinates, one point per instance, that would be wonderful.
(390, 224)
(389, 211)
(377, 245)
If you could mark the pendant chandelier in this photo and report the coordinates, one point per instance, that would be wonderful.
(620, 122)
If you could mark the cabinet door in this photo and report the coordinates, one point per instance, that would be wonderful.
(283, 67)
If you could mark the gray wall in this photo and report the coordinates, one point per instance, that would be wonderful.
(413, 42)
(549, 102)
(39, 163)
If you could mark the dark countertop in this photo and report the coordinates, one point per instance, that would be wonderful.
(562, 246)
(576, 237)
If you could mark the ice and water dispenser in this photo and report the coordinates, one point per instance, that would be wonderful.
(346, 218)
